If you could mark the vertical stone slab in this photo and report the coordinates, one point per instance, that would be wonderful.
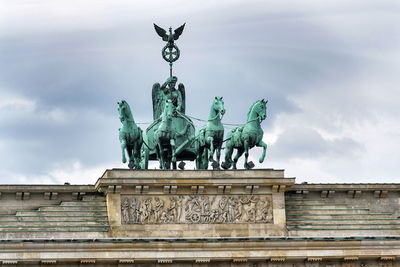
(114, 208)
(278, 208)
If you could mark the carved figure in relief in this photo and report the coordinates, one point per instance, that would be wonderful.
(244, 202)
(193, 209)
(231, 209)
(179, 208)
(146, 210)
(158, 205)
(125, 211)
(172, 209)
(214, 216)
(135, 206)
(164, 217)
(254, 200)
(265, 215)
(223, 209)
(206, 204)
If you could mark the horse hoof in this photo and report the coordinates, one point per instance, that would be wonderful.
(249, 165)
(181, 165)
(131, 164)
(215, 165)
(225, 165)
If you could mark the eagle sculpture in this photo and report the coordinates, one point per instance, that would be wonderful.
(171, 37)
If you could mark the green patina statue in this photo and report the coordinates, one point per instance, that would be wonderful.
(130, 136)
(165, 137)
(210, 137)
(246, 137)
(167, 91)
(171, 136)
(170, 52)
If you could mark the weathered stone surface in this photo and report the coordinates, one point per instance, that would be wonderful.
(357, 225)
(196, 209)
(195, 203)
(344, 213)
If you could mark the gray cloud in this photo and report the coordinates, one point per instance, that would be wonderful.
(306, 143)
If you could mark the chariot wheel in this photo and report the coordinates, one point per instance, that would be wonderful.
(195, 218)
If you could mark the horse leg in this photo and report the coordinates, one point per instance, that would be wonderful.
(210, 140)
(264, 146)
(198, 154)
(238, 155)
(199, 163)
(136, 155)
(131, 156)
(228, 155)
(218, 155)
(159, 154)
(173, 158)
(246, 153)
(123, 148)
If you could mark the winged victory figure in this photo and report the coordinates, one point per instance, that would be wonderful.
(161, 93)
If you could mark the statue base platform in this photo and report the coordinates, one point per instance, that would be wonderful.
(170, 204)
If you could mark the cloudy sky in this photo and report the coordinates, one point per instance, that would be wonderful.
(330, 70)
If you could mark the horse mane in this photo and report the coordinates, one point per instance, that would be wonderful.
(251, 108)
(129, 113)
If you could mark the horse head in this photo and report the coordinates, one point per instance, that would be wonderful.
(124, 110)
(218, 106)
(258, 111)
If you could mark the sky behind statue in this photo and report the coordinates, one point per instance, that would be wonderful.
(328, 68)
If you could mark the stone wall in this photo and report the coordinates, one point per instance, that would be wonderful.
(343, 210)
(195, 203)
(200, 218)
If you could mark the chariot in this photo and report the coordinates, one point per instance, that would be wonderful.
(184, 145)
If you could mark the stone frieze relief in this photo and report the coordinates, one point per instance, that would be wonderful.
(196, 209)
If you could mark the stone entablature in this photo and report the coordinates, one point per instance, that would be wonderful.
(265, 252)
(178, 203)
(352, 190)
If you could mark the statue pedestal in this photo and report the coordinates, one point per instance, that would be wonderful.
(158, 203)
